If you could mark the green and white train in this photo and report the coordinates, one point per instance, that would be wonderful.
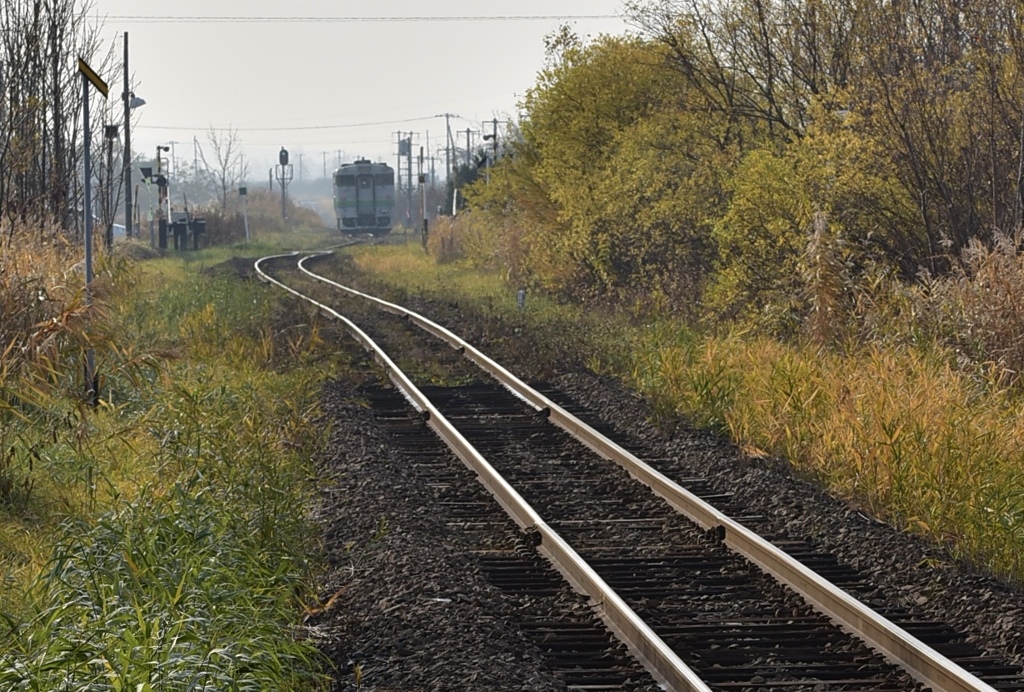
(364, 197)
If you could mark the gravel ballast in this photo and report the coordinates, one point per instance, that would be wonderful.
(411, 610)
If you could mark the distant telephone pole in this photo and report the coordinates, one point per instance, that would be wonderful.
(494, 147)
(325, 164)
(408, 187)
(449, 144)
(398, 161)
(423, 199)
(126, 171)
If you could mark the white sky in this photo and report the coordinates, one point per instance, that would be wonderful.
(334, 78)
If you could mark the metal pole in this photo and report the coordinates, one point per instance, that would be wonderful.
(408, 189)
(245, 215)
(127, 147)
(423, 198)
(163, 215)
(108, 220)
(91, 391)
(467, 148)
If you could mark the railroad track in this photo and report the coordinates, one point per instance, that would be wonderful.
(699, 598)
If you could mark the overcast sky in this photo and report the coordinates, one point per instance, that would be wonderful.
(325, 81)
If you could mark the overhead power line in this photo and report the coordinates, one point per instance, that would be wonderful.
(292, 128)
(252, 19)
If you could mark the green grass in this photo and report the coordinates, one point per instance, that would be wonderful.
(408, 268)
(160, 541)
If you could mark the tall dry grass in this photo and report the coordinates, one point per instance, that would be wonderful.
(905, 399)
(900, 432)
(482, 241)
(42, 308)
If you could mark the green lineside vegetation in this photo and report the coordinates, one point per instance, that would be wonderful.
(159, 541)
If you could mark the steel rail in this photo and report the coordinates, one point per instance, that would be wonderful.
(900, 647)
(663, 663)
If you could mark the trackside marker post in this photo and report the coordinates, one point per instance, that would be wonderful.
(89, 76)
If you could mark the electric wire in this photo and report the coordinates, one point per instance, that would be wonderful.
(286, 128)
(307, 19)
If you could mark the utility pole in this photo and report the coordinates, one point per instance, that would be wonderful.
(398, 159)
(449, 144)
(174, 161)
(449, 151)
(109, 134)
(408, 187)
(325, 164)
(423, 198)
(467, 147)
(127, 172)
(428, 149)
(494, 147)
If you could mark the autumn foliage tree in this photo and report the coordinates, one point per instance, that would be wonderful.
(710, 161)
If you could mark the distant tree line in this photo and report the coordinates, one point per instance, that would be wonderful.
(738, 154)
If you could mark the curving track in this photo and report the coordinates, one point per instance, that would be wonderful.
(702, 600)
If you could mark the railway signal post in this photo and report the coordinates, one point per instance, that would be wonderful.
(243, 193)
(283, 172)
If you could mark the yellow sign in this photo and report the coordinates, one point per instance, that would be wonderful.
(97, 82)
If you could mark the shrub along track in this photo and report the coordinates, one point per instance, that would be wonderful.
(724, 573)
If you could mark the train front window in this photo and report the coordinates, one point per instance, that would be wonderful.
(384, 179)
(345, 181)
(365, 181)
